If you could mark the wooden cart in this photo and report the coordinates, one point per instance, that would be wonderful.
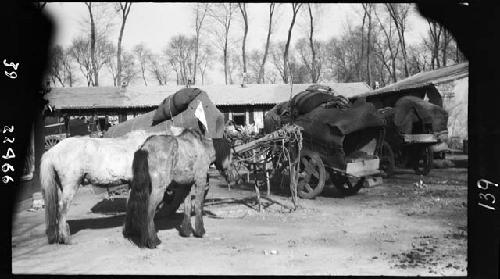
(348, 175)
(275, 154)
(269, 155)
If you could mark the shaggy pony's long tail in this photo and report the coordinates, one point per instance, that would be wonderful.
(136, 220)
(50, 184)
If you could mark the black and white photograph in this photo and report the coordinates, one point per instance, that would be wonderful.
(193, 138)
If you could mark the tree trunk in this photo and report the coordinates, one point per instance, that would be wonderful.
(92, 46)
(198, 25)
(225, 60)
(368, 46)
(362, 49)
(144, 78)
(295, 8)
(314, 72)
(260, 78)
(399, 23)
(243, 47)
(125, 9)
(394, 79)
(119, 57)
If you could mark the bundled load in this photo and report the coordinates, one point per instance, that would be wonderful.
(410, 110)
(186, 108)
(277, 117)
(175, 104)
(311, 98)
(327, 120)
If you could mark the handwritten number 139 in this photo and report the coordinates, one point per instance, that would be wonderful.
(483, 184)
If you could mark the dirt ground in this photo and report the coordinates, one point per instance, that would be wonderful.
(400, 227)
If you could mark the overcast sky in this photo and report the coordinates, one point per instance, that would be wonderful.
(155, 23)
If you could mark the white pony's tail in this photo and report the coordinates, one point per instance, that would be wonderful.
(50, 192)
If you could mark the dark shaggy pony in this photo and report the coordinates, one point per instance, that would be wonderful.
(159, 162)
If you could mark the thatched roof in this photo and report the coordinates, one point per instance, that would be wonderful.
(152, 96)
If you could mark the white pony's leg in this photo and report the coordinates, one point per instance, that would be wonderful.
(69, 190)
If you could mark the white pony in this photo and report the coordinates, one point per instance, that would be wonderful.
(78, 160)
(101, 162)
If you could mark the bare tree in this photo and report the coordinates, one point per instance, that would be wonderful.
(124, 8)
(295, 9)
(312, 62)
(314, 69)
(159, 68)
(260, 77)
(60, 68)
(92, 45)
(418, 57)
(180, 52)
(142, 54)
(200, 14)
(56, 69)
(389, 44)
(277, 58)
(399, 15)
(445, 47)
(100, 21)
(244, 15)
(222, 14)
(254, 60)
(234, 63)
(435, 31)
(129, 69)
(368, 9)
(205, 60)
(80, 51)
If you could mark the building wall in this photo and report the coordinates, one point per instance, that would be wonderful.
(252, 114)
(455, 102)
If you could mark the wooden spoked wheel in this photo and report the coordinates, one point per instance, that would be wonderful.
(50, 141)
(312, 175)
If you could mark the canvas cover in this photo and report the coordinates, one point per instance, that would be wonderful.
(332, 124)
(410, 110)
(334, 128)
(187, 119)
(175, 104)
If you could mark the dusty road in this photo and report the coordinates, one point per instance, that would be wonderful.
(396, 228)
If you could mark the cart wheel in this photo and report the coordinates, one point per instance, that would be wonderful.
(387, 160)
(423, 164)
(311, 175)
(50, 141)
(348, 186)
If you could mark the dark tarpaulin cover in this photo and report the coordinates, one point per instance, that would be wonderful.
(328, 130)
(175, 104)
(186, 119)
(330, 125)
(409, 110)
